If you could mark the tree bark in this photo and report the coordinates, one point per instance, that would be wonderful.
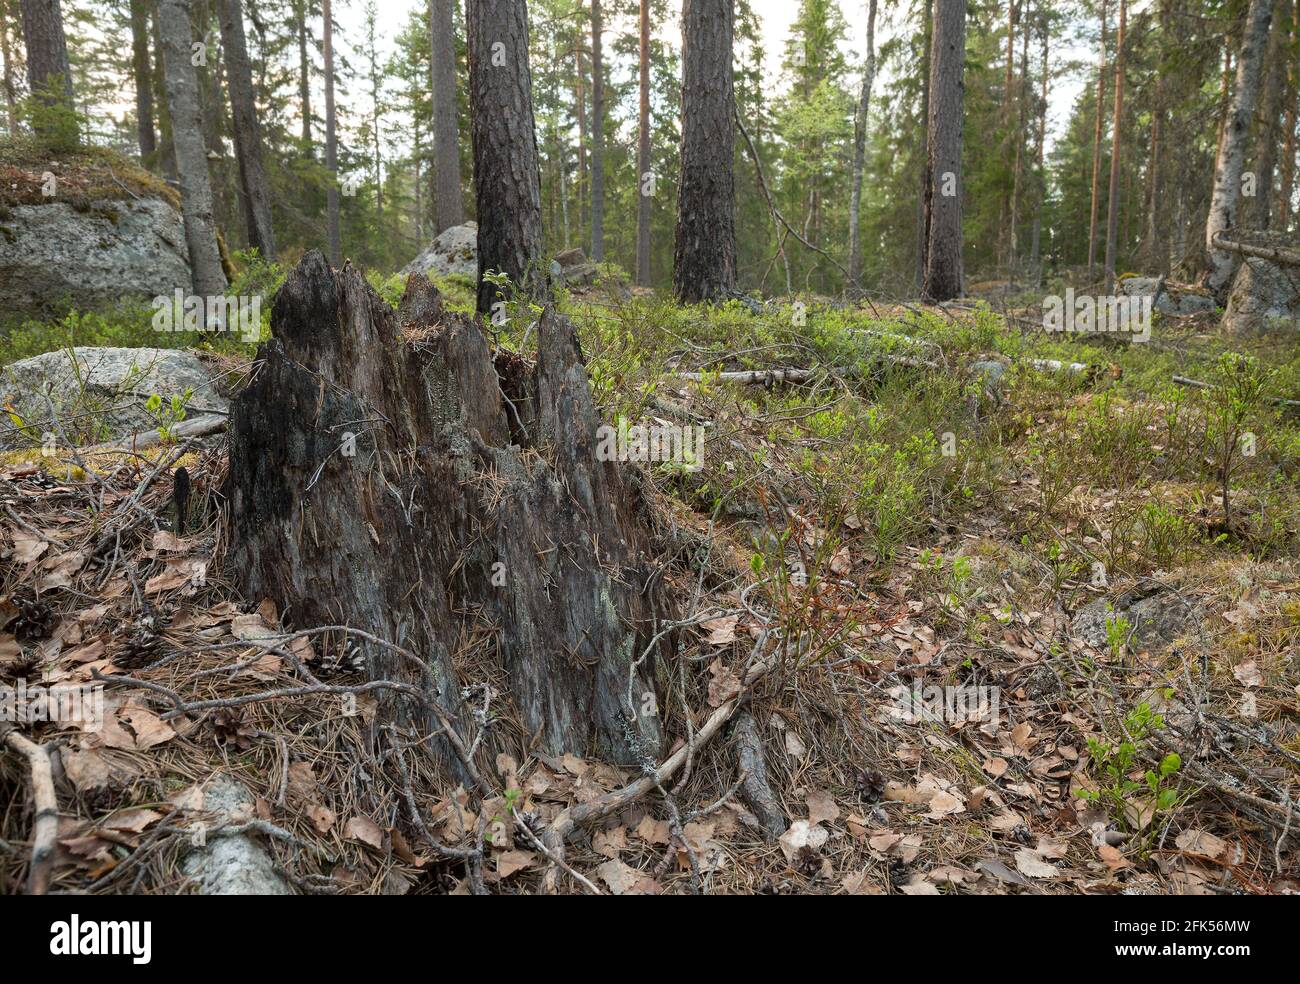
(1096, 146)
(142, 75)
(597, 136)
(645, 178)
(704, 254)
(923, 198)
(466, 512)
(248, 137)
(301, 11)
(208, 277)
(1288, 169)
(11, 93)
(1232, 147)
(1117, 130)
(166, 145)
(48, 74)
(507, 176)
(1153, 246)
(943, 271)
(449, 210)
(1267, 135)
(859, 151)
(331, 136)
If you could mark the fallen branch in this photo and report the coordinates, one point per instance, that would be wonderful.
(1292, 405)
(194, 427)
(1277, 254)
(45, 826)
(581, 814)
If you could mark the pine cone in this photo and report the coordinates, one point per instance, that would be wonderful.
(870, 786)
(340, 661)
(26, 666)
(142, 648)
(808, 862)
(229, 727)
(34, 621)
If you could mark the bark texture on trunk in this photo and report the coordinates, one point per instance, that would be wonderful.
(1116, 141)
(643, 167)
(1096, 145)
(248, 137)
(48, 74)
(380, 477)
(142, 74)
(704, 255)
(331, 137)
(207, 275)
(1232, 147)
(597, 136)
(943, 269)
(448, 209)
(860, 151)
(507, 176)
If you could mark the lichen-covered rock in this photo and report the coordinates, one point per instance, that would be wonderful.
(1178, 300)
(1157, 616)
(455, 250)
(102, 396)
(59, 255)
(1265, 297)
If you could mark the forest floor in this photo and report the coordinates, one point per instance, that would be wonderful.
(927, 507)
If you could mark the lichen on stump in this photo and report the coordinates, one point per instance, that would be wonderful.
(380, 479)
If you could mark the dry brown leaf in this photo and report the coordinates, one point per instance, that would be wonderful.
(364, 829)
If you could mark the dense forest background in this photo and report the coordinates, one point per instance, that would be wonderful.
(1037, 152)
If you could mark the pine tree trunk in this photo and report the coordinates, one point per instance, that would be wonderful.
(248, 137)
(449, 210)
(393, 487)
(645, 179)
(331, 137)
(860, 150)
(300, 14)
(597, 136)
(142, 75)
(704, 254)
(1232, 147)
(191, 154)
(1154, 247)
(48, 75)
(923, 198)
(1117, 131)
(583, 184)
(507, 176)
(166, 144)
(1035, 248)
(1267, 135)
(943, 271)
(1096, 147)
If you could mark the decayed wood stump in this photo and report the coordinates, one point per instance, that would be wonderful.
(459, 509)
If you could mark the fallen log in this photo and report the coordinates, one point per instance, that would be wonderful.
(801, 375)
(202, 426)
(1276, 254)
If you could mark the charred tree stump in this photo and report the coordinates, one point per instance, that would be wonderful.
(380, 479)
